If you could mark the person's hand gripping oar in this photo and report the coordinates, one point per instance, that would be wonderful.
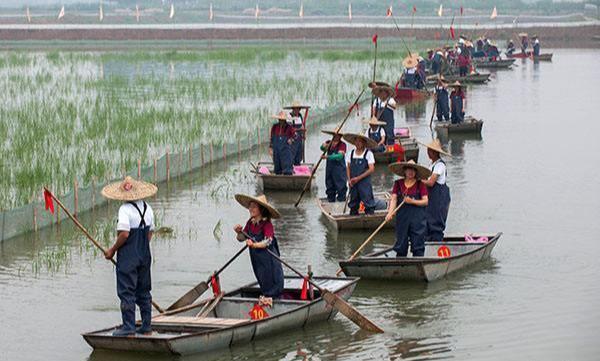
(337, 131)
(333, 300)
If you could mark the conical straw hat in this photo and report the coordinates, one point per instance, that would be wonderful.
(399, 167)
(435, 145)
(281, 116)
(129, 189)
(373, 121)
(352, 138)
(386, 90)
(375, 84)
(245, 201)
(296, 104)
(456, 84)
(410, 61)
(332, 132)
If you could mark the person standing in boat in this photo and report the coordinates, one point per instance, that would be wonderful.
(510, 48)
(386, 112)
(335, 168)
(457, 103)
(410, 77)
(360, 164)
(442, 107)
(280, 147)
(267, 270)
(438, 191)
(296, 120)
(436, 62)
(135, 226)
(376, 133)
(464, 63)
(536, 45)
(524, 42)
(411, 219)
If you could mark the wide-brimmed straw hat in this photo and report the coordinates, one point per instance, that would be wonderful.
(399, 167)
(387, 91)
(129, 189)
(456, 84)
(522, 35)
(373, 121)
(245, 201)
(353, 137)
(333, 132)
(435, 145)
(281, 116)
(410, 61)
(296, 104)
(374, 84)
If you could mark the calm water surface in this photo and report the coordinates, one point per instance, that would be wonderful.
(532, 175)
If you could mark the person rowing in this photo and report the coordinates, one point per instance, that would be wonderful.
(457, 103)
(280, 146)
(442, 108)
(411, 78)
(376, 132)
(360, 164)
(438, 192)
(411, 219)
(536, 45)
(385, 113)
(296, 120)
(510, 48)
(135, 227)
(267, 270)
(335, 168)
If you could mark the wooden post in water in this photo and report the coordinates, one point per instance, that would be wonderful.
(75, 198)
(190, 162)
(211, 151)
(154, 171)
(168, 167)
(201, 154)
(139, 169)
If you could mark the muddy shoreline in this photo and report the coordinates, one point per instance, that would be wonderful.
(555, 37)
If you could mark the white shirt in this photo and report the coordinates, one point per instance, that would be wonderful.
(130, 218)
(295, 120)
(381, 131)
(370, 156)
(439, 168)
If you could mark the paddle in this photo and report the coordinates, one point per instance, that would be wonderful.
(435, 100)
(334, 300)
(89, 236)
(337, 131)
(368, 240)
(192, 295)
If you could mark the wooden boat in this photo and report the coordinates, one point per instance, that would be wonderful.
(333, 212)
(282, 182)
(441, 259)
(476, 78)
(541, 57)
(411, 151)
(469, 125)
(228, 323)
(404, 95)
(494, 64)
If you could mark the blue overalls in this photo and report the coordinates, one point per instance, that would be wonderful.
(436, 64)
(282, 154)
(133, 276)
(442, 106)
(536, 49)
(298, 144)
(335, 177)
(387, 116)
(376, 136)
(267, 269)
(410, 80)
(437, 210)
(411, 225)
(363, 190)
(457, 109)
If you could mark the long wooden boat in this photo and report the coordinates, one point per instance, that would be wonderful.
(229, 323)
(476, 78)
(441, 259)
(334, 214)
(411, 148)
(404, 95)
(469, 125)
(541, 57)
(494, 64)
(282, 182)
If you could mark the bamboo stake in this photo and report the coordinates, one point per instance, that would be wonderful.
(75, 197)
(168, 166)
(139, 165)
(88, 235)
(190, 158)
(155, 161)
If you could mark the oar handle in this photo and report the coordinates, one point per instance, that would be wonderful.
(368, 240)
(89, 236)
(337, 131)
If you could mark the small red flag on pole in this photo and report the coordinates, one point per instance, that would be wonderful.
(48, 203)
(216, 287)
(374, 39)
(452, 32)
(461, 11)
(414, 9)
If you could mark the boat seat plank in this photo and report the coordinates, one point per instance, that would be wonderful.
(197, 321)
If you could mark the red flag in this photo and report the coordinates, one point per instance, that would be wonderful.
(452, 32)
(48, 201)
(304, 292)
(352, 107)
(374, 39)
(461, 12)
(216, 287)
(414, 9)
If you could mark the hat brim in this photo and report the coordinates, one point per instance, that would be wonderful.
(352, 138)
(297, 106)
(245, 200)
(140, 190)
(399, 167)
(332, 132)
(375, 84)
(377, 91)
(374, 122)
(439, 150)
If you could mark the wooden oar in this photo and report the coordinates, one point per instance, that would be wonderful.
(89, 236)
(368, 240)
(435, 100)
(336, 302)
(192, 295)
(337, 131)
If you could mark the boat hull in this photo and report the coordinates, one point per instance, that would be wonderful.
(333, 214)
(495, 64)
(283, 182)
(541, 57)
(404, 95)
(468, 126)
(420, 269)
(469, 79)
